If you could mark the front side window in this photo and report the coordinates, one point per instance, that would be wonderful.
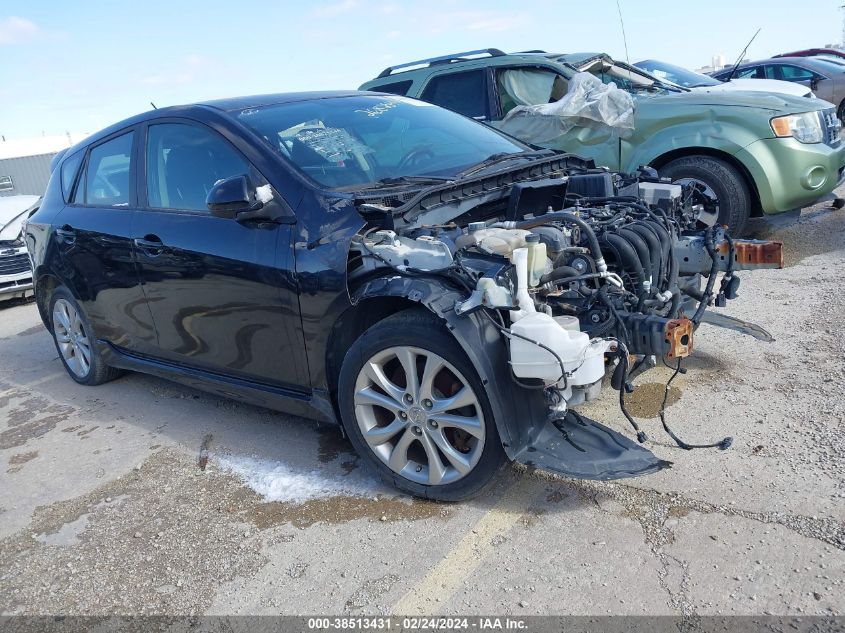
(464, 93)
(6, 183)
(752, 72)
(529, 86)
(107, 181)
(183, 163)
(349, 142)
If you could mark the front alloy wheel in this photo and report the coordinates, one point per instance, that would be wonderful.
(419, 415)
(416, 411)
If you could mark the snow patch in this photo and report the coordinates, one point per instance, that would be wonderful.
(276, 481)
(264, 193)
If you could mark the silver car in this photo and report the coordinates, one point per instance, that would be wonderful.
(15, 267)
(825, 77)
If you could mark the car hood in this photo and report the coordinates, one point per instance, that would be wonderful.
(759, 85)
(13, 211)
(777, 103)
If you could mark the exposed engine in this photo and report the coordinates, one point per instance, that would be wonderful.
(582, 275)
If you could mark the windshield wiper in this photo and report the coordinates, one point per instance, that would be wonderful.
(500, 157)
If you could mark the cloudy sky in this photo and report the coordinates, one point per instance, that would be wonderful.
(78, 66)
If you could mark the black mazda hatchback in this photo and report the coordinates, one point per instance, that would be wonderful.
(443, 291)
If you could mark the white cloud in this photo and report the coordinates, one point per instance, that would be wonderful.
(479, 21)
(334, 9)
(14, 30)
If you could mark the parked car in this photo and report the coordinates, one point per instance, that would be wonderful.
(748, 153)
(367, 259)
(15, 269)
(825, 53)
(826, 78)
(705, 83)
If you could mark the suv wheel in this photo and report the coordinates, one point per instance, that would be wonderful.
(717, 183)
(74, 342)
(414, 408)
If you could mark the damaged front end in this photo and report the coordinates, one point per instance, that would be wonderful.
(552, 277)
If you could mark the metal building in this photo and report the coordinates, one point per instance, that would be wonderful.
(25, 163)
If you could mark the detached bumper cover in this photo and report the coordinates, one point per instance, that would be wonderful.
(584, 449)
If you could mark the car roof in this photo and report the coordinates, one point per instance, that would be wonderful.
(232, 104)
(431, 64)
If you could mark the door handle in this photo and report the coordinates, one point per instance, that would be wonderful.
(150, 244)
(67, 234)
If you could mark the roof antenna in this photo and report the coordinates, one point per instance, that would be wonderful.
(624, 38)
(741, 55)
(154, 105)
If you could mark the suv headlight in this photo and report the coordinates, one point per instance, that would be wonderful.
(806, 127)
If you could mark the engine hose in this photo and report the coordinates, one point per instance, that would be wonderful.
(674, 267)
(709, 244)
(560, 272)
(643, 252)
(657, 250)
(562, 216)
(628, 258)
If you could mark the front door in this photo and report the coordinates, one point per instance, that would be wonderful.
(535, 86)
(220, 291)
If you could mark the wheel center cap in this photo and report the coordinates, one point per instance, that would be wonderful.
(416, 415)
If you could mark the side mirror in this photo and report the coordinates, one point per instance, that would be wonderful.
(814, 83)
(234, 197)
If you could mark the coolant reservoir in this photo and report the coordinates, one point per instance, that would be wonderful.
(496, 241)
(568, 322)
(536, 259)
(578, 353)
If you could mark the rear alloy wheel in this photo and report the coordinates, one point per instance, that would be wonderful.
(413, 406)
(71, 338)
(74, 341)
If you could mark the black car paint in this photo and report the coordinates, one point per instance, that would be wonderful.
(118, 284)
(286, 278)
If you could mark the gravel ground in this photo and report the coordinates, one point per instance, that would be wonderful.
(107, 504)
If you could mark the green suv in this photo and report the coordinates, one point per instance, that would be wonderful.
(748, 153)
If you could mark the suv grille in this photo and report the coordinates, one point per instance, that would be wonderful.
(14, 264)
(831, 126)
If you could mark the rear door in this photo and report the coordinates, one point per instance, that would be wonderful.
(221, 291)
(94, 240)
(821, 85)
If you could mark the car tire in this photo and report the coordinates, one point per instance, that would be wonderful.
(725, 181)
(415, 440)
(74, 340)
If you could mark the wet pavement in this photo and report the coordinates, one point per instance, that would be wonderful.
(143, 496)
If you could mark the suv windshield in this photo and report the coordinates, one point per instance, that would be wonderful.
(361, 141)
(676, 74)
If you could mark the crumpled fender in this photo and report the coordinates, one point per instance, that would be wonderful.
(575, 446)
(520, 414)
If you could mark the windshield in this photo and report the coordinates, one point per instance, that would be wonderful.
(626, 77)
(348, 142)
(827, 65)
(676, 74)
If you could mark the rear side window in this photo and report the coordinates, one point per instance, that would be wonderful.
(796, 73)
(465, 93)
(184, 162)
(107, 180)
(69, 168)
(395, 88)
